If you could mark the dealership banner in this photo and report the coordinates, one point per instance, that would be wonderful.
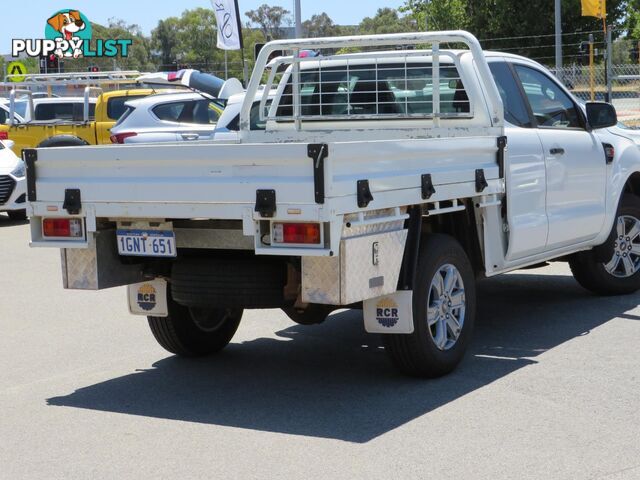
(229, 28)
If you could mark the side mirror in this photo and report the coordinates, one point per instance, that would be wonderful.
(601, 115)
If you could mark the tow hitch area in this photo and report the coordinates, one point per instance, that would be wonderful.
(389, 313)
(148, 298)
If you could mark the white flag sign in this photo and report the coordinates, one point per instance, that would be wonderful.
(229, 34)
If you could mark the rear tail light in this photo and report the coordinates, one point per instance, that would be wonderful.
(62, 227)
(296, 233)
(4, 135)
(121, 137)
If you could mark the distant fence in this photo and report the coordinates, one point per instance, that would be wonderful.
(624, 84)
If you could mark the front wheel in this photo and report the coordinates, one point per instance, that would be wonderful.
(617, 271)
(195, 332)
(444, 304)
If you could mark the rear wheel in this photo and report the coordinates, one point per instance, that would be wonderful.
(17, 215)
(444, 303)
(195, 332)
(63, 141)
(613, 268)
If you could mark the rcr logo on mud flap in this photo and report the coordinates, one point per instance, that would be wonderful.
(147, 297)
(387, 313)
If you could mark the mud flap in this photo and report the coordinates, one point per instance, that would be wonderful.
(389, 313)
(148, 298)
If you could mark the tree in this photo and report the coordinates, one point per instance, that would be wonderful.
(526, 28)
(437, 14)
(164, 39)
(387, 20)
(320, 26)
(270, 20)
(197, 35)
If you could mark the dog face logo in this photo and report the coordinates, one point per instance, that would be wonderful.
(71, 26)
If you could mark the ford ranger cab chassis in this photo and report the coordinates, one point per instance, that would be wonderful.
(385, 180)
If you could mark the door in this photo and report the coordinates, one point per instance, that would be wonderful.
(198, 121)
(574, 161)
(524, 169)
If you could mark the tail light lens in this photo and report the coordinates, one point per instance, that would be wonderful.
(62, 227)
(4, 135)
(121, 137)
(296, 233)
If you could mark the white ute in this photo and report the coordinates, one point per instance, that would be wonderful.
(386, 180)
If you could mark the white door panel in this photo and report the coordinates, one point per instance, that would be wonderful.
(576, 181)
(526, 192)
(574, 157)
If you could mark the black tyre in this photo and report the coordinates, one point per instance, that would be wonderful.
(613, 268)
(229, 282)
(444, 309)
(17, 215)
(63, 141)
(190, 332)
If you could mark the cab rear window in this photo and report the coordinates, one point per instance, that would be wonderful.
(398, 90)
(63, 111)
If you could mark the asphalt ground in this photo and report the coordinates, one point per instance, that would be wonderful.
(549, 390)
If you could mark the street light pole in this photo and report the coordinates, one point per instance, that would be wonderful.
(558, 39)
(298, 17)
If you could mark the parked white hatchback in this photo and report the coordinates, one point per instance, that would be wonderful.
(13, 184)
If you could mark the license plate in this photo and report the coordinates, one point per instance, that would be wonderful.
(146, 243)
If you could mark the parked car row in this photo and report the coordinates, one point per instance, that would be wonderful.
(142, 115)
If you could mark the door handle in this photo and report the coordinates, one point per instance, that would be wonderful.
(190, 136)
(557, 151)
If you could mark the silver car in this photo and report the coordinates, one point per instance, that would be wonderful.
(168, 117)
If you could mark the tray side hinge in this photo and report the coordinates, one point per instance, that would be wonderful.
(364, 194)
(266, 203)
(318, 152)
(428, 189)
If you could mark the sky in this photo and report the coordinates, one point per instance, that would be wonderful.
(28, 17)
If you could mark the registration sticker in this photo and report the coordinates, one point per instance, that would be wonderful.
(148, 298)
